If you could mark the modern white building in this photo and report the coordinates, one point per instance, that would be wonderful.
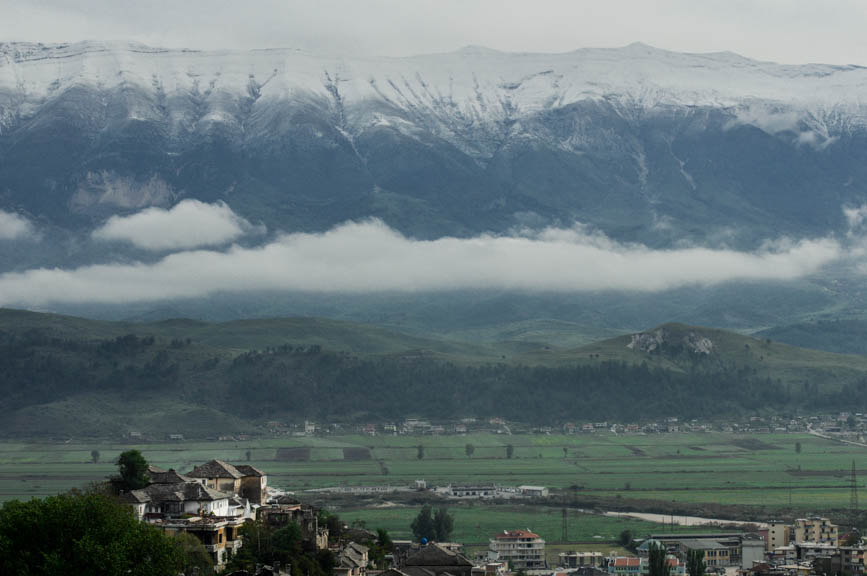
(521, 549)
(534, 491)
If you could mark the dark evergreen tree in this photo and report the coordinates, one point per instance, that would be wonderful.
(444, 524)
(132, 471)
(695, 565)
(657, 560)
(423, 526)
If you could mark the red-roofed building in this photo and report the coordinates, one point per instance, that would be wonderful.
(521, 549)
(633, 566)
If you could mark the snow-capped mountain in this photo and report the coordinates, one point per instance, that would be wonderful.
(457, 94)
(642, 143)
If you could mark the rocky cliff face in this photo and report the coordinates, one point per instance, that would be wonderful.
(663, 338)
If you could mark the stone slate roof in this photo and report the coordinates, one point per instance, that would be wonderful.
(393, 572)
(183, 492)
(169, 477)
(433, 555)
(136, 497)
(350, 559)
(359, 548)
(419, 571)
(215, 469)
(248, 470)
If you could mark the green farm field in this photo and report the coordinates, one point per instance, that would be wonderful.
(478, 523)
(717, 468)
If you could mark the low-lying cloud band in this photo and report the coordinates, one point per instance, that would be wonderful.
(370, 257)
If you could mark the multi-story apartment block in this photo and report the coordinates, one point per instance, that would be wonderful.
(815, 529)
(521, 549)
(581, 559)
(777, 535)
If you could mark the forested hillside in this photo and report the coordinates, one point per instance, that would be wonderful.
(60, 374)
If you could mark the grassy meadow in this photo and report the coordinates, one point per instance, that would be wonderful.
(708, 467)
(477, 523)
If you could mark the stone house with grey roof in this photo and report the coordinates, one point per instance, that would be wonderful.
(182, 498)
(240, 480)
(218, 475)
(435, 560)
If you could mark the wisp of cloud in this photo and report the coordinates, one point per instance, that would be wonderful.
(189, 224)
(369, 256)
(14, 226)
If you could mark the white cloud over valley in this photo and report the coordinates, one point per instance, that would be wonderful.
(14, 226)
(189, 224)
(369, 257)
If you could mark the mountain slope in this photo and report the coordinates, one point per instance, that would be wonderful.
(63, 376)
(641, 143)
(689, 348)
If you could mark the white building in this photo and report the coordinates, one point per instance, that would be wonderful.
(533, 491)
(473, 491)
(521, 549)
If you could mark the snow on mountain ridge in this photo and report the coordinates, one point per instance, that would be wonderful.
(473, 91)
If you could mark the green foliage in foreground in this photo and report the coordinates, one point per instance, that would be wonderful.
(82, 533)
(265, 544)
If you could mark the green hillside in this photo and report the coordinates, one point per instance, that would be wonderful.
(242, 335)
(768, 358)
(62, 376)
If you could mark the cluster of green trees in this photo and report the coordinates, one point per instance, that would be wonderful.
(657, 561)
(36, 367)
(433, 526)
(297, 380)
(265, 544)
(87, 533)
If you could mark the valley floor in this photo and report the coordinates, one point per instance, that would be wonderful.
(707, 474)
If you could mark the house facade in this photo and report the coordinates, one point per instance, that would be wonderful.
(521, 549)
(815, 529)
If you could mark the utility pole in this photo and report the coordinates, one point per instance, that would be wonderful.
(853, 498)
(565, 529)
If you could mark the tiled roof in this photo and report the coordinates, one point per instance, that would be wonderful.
(506, 534)
(434, 555)
(183, 492)
(626, 561)
(169, 477)
(248, 470)
(393, 572)
(136, 497)
(418, 571)
(215, 469)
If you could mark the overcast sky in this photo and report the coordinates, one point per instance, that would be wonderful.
(790, 31)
